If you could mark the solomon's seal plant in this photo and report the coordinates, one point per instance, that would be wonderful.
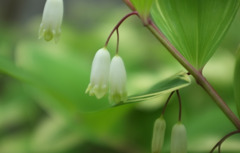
(189, 29)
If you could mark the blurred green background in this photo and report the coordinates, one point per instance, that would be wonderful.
(43, 105)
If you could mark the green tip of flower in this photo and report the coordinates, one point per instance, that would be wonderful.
(116, 98)
(48, 35)
(98, 91)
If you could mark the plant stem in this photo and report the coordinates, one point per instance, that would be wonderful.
(180, 106)
(117, 41)
(200, 79)
(165, 106)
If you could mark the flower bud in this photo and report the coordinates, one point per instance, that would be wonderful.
(179, 139)
(158, 135)
(98, 85)
(51, 21)
(117, 81)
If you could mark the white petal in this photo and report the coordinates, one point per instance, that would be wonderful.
(99, 74)
(117, 81)
(52, 19)
(179, 139)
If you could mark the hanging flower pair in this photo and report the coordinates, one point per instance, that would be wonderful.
(178, 137)
(106, 75)
(109, 76)
(179, 132)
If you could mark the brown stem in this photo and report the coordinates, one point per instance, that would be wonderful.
(180, 106)
(165, 106)
(117, 41)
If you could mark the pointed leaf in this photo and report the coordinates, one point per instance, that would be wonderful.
(175, 82)
(194, 27)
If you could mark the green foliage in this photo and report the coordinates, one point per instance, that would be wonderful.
(195, 27)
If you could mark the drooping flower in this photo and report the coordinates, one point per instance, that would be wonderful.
(98, 85)
(158, 135)
(51, 21)
(117, 81)
(179, 139)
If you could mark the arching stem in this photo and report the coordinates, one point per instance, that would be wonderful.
(165, 106)
(219, 143)
(118, 24)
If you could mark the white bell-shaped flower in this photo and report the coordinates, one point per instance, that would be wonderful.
(98, 85)
(179, 139)
(117, 81)
(51, 21)
(158, 135)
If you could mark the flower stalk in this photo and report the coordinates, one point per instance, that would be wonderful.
(165, 106)
(180, 106)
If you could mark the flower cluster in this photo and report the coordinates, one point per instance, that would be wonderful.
(108, 75)
(179, 133)
(178, 137)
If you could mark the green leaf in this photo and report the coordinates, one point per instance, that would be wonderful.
(143, 7)
(175, 82)
(194, 27)
(237, 83)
